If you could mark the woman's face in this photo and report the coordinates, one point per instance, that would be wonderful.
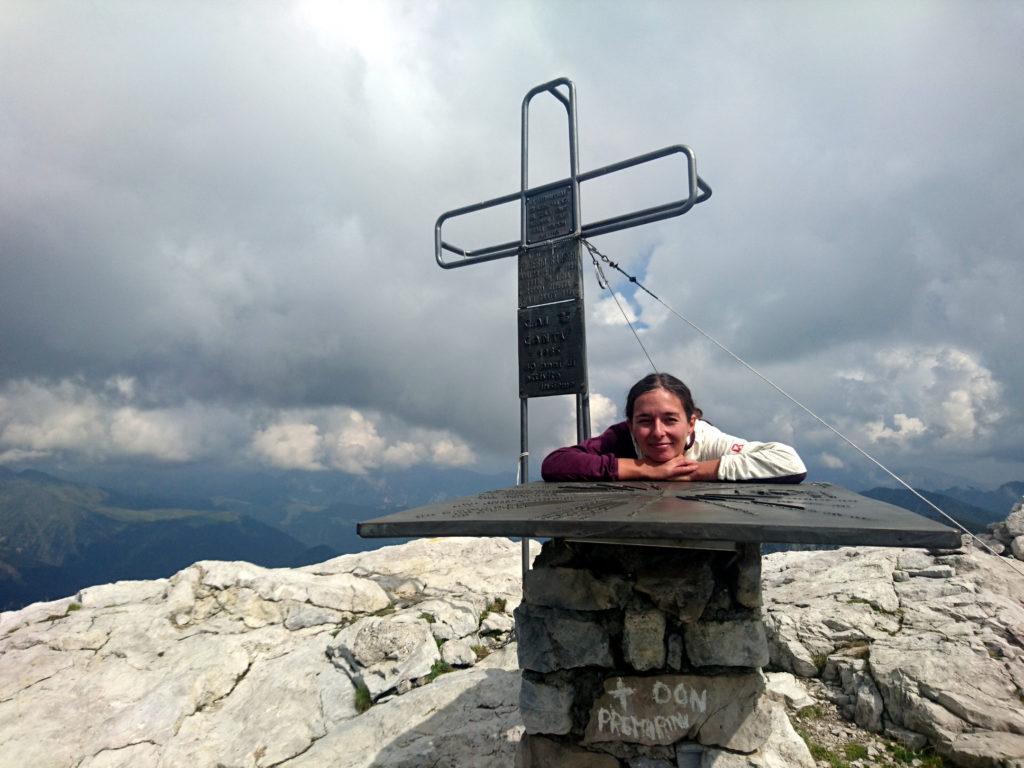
(660, 426)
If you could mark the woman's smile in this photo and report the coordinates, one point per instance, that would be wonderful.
(660, 427)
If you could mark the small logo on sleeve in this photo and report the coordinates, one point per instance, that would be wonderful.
(737, 448)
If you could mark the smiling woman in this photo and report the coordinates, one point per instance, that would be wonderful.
(665, 438)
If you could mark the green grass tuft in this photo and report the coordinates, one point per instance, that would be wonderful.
(497, 605)
(74, 607)
(440, 667)
(820, 753)
(363, 698)
(907, 756)
(854, 751)
(481, 651)
(428, 617)
(813, 712)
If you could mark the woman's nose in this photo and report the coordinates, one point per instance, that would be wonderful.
(658, 427)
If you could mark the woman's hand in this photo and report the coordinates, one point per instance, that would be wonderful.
(678, 468)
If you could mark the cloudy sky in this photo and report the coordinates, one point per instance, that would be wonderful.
(216, 226)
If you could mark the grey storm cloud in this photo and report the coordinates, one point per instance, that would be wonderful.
(216, 226)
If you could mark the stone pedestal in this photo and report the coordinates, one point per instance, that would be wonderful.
(641, 656)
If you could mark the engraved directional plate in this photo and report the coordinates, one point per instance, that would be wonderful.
(813, 513)
(550, 214)
(550, 273)
(552, 350)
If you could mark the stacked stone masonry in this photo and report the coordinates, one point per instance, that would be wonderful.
(645, 656)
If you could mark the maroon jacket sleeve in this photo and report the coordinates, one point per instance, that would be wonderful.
(594, 459)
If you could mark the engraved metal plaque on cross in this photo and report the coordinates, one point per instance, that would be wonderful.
(552, 332)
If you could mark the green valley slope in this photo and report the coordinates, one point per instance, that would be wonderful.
(57, 537)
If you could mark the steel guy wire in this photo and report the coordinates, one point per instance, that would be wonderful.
(594, 253)
(602, 281)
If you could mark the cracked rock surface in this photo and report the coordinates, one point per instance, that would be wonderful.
(227, 664)
(924, 647)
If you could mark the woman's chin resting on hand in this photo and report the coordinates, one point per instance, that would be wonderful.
(665, 438)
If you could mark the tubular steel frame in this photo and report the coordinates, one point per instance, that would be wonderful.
(697, 192)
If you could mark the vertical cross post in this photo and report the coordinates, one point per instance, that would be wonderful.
(552, 331)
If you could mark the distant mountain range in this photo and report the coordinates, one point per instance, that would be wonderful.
(998, 501)
(58, 535)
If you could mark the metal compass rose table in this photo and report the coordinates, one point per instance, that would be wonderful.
(702, 515)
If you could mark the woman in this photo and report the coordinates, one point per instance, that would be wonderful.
(664, 438)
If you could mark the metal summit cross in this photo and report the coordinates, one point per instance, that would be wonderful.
(552, 332)
(552, 361)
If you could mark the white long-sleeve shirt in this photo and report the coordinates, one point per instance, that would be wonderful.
(739, 459)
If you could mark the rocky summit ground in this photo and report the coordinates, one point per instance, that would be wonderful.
(406, 657)
(926, 648)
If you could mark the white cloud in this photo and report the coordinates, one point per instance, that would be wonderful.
(956, 399)
(39, 419)
(17, 455)
(150, 434)
(906, 429)
(606, 312)
(214, 258)
(602, 410)
(290, 446)
(354, 442)
(354, 445)
(603, 413)
(831, 461)
(449, 452)
(123, 385)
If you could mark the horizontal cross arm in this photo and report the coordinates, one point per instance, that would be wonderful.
(490, 253)
(697, 192)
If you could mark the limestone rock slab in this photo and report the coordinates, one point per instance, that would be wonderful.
(496, 624)
(458, 653)
(302, 695)
(945, 655)
(974, 689)
(740, 643)
(748, 576)
(683, 592)
(786, 689)
(983, 749)
(576, 589)
(201, 669)
(1015, 520)
(450, 617)
(540, 752)
(546, 705)
(441, 567)
(643, 639)
(465, 718)
(783, 749)
(121, 593)
(1017, 547)
(383, 652)
(550, 639)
